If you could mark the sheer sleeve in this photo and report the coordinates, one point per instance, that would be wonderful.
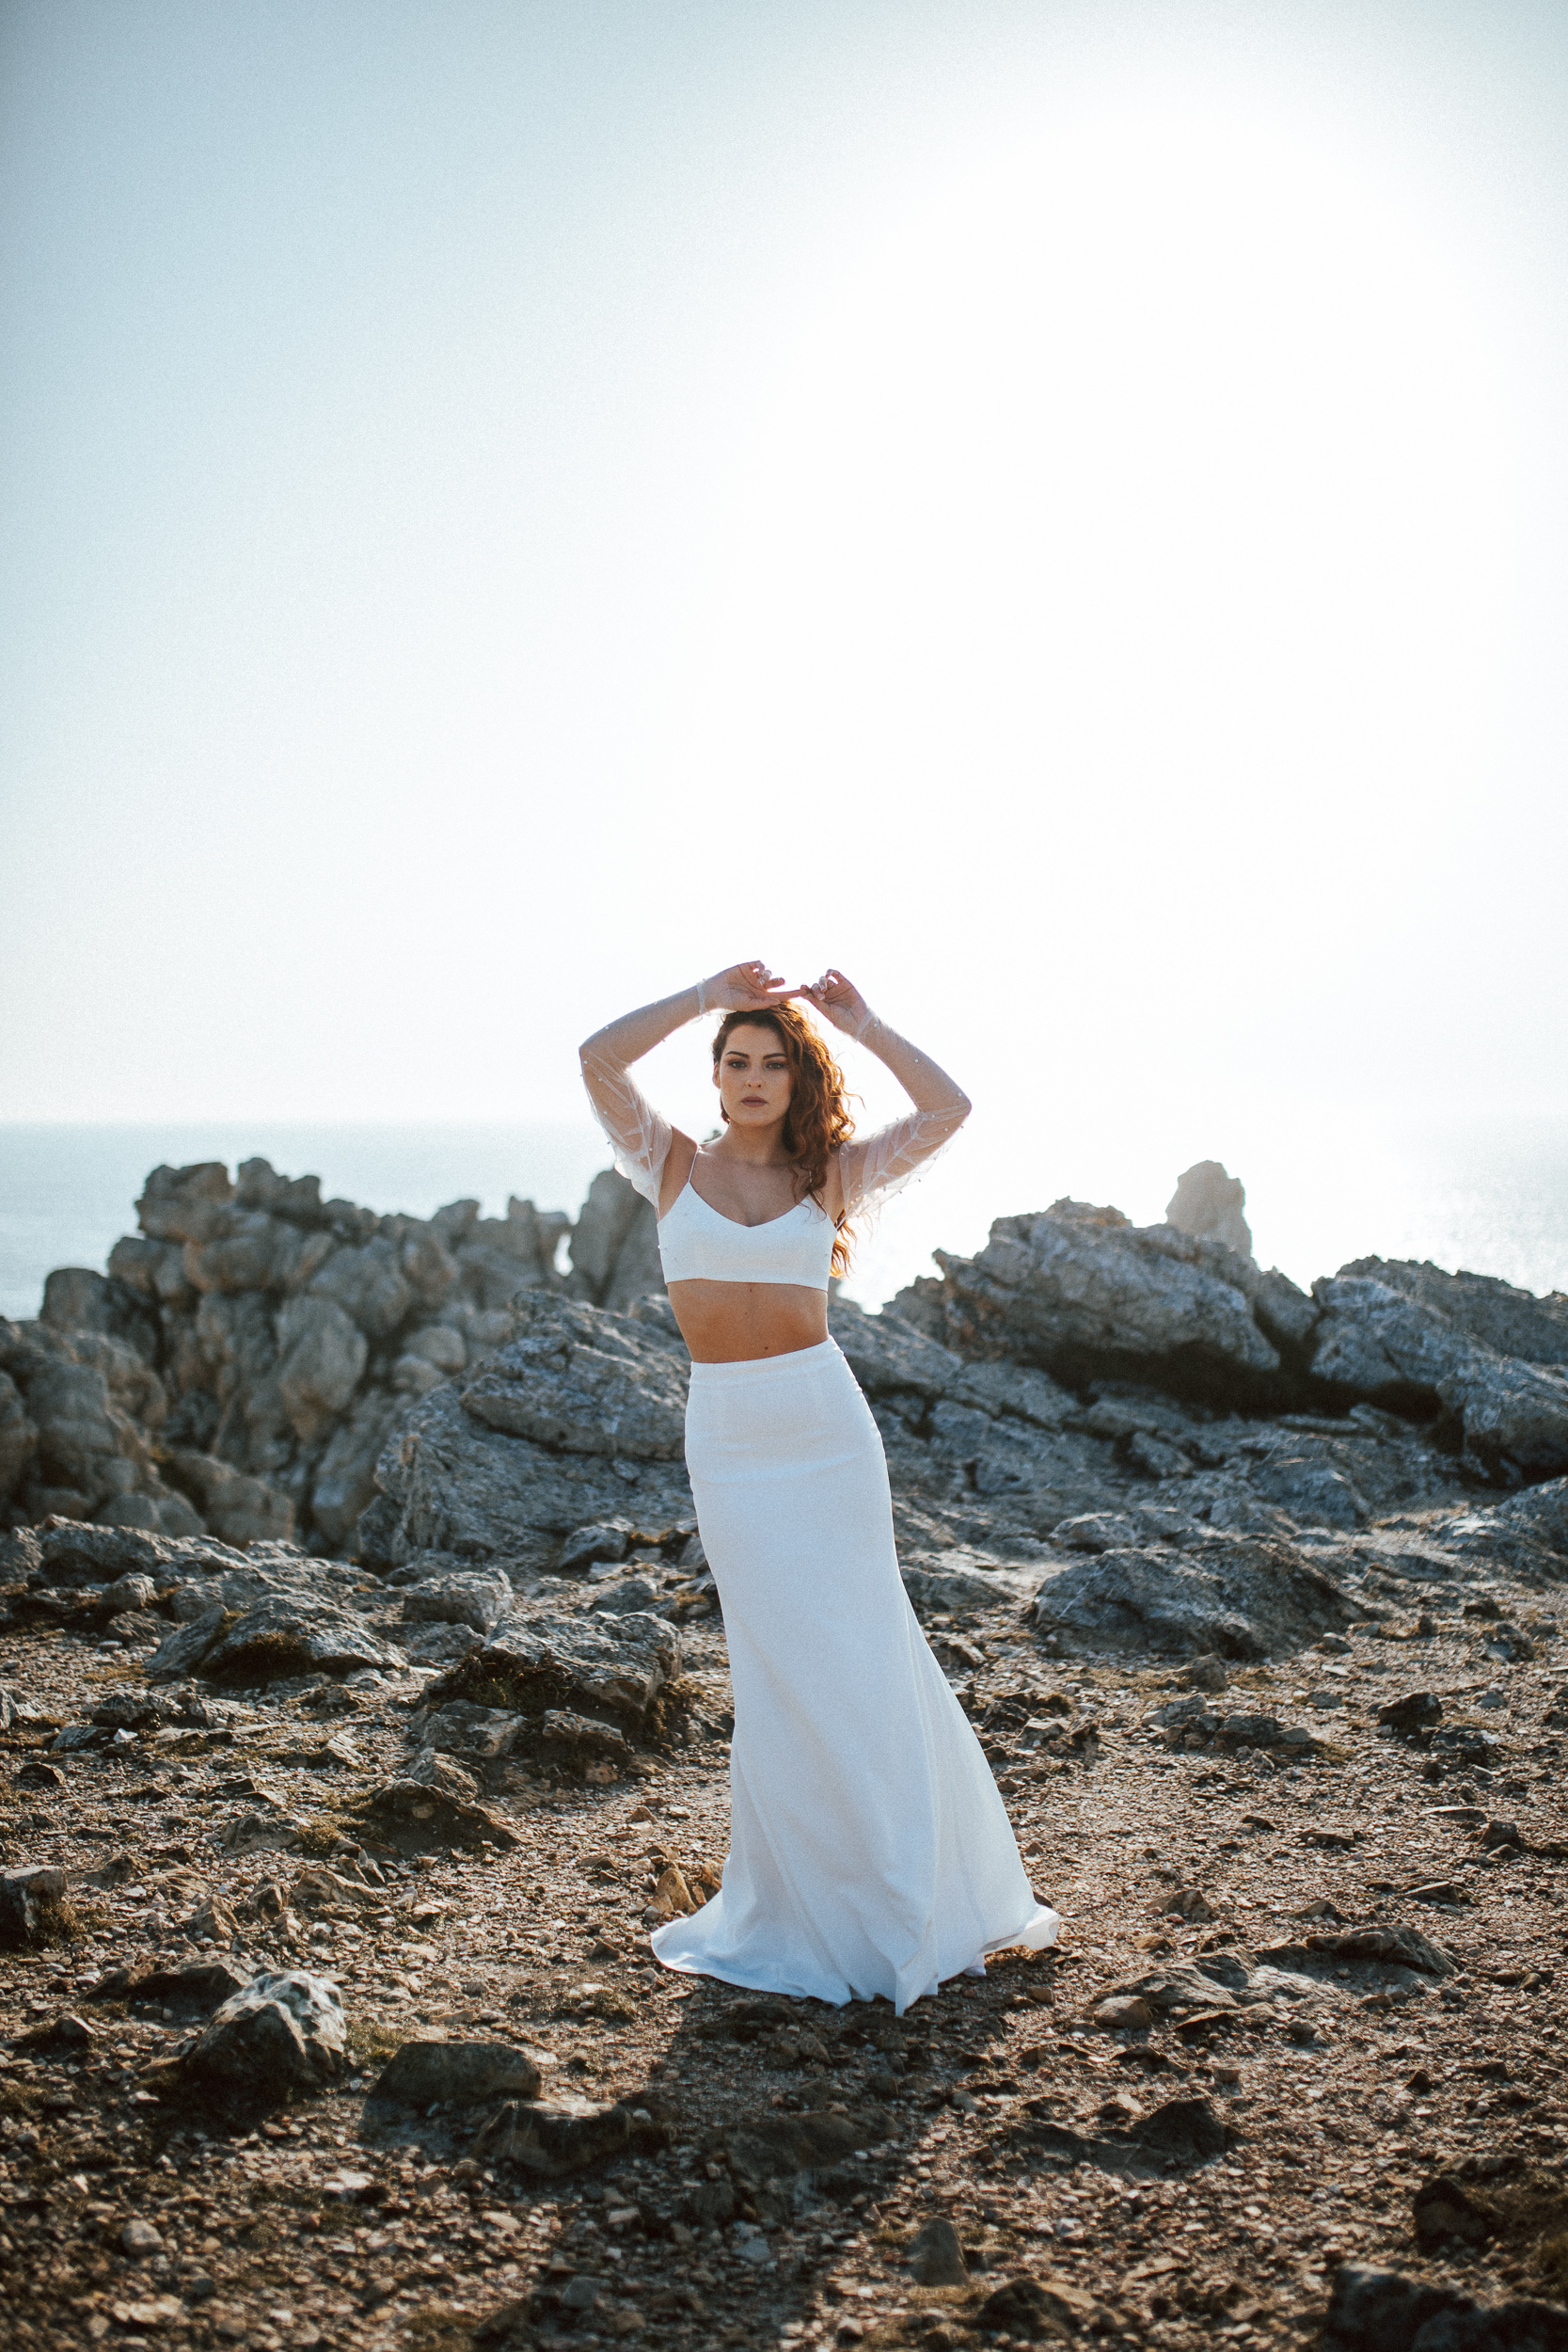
(639, 1135)
(877, 1166)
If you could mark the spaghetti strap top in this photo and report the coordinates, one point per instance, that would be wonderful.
(697, 1244)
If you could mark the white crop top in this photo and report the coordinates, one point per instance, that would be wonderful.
(697, 1243)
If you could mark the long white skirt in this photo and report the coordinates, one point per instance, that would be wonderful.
(869, 1850)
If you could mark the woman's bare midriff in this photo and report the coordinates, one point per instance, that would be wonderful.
(732, 1323)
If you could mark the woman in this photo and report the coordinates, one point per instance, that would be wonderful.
(869, 1850)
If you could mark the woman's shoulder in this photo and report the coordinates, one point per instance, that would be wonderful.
(676, 1172)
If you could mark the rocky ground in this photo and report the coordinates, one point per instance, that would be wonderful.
(326, 2016)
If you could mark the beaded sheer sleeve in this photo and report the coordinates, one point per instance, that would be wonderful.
(875, 1168)
(639, 1136)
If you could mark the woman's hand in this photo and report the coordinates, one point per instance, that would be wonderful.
(746, 988)
(840, 1001)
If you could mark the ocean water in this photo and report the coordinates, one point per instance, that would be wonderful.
(1490, 1195)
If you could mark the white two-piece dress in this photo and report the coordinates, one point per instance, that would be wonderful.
(870, 1851)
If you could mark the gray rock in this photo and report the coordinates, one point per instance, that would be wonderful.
(560, 2135)
(1080, 1290)
(1390, 1946)
(284, 1634)
(1235, 1597)
(438, 1644)
(1208, 1203)
(178, 1203)
(453, 1481)
(936, 2257)
(19, 1438)
(584, 1734)
(478, 1598)
(1510, 1322)
(32, 1904)
(369, 1284)
(614, 1247)
(887, 1355)
(1402, 1351)
(586, 1544)
(620, 1664)
(1413, 1710)
(345, 1483)
(578, 1382)
(129, 1591)
(196, 1989)
(238, 1508)
(622, 1594)
(323, 1354)
(959, 1581)
(283, 2035)
(1383, 2311)
(415, 1816)
(458, 2074)
(432, 1769)
(461, 1728)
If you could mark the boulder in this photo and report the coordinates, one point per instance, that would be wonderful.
(935, 2256)
(32, 1904)
(238, 1509)
(1235, 1597)
(560, 2136)
(1080, 1292)
(461, 1728)
(178, 1203)
(322, 1354)
(1208, 1203)
(283, 1633)
(1493, 1314)
(1403, 1349)
(578, 1418)
(414, 1816)
(478, 1598)
(19, 1438)
(345, 1483)
(283, 2036)
(615, 1245)
(1383, 2311)
(618, 1665)
(457, 2073)
(578, 1382)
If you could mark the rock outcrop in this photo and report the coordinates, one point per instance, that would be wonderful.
(1187, 1453)
(1084, 1295)
(242, 1363)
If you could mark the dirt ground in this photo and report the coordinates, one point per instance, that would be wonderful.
(1307, 2115)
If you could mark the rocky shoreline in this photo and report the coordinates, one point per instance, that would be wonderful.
(363, 1698)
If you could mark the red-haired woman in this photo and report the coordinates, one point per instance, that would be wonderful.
(869, 1850)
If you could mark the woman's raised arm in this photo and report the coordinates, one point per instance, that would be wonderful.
(873, 1167)
(639, 1136)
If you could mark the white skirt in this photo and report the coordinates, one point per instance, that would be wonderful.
(870, 1851)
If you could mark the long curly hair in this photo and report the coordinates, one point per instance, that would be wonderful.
(817, 1120)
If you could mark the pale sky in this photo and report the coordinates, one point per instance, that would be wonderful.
(1058, 509)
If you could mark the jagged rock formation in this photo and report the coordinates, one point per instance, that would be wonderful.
(244, 1360)
(1208, 1204)
(260, 1365)
(1084, 1294)
(1128, 1520)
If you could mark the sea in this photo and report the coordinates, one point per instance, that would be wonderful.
(1488, 1194)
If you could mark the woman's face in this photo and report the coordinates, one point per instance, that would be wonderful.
(753, 1076)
